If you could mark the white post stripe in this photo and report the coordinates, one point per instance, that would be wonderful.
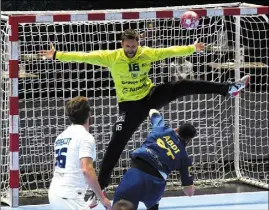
(79, 17)
(14, 124)
(14, 163)
(14, 84)
(14, 196)
(248, 11)
(13, 51)
(178, 13)
(145, 15)
(44, 18)
(113, 16)
(214, 12)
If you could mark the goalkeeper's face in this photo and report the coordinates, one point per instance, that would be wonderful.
(130, 47)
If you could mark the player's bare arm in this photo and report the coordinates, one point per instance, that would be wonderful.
(48, 54)
(186, 175)
(189, 190)
(199, 46)
(90, 175)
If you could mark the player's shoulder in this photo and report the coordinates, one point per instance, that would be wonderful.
(77, 131)
(168, 131)
(146, 49)
(115, 55)
(85, 135)
(89, 137)
(86, 139)
(113, 52)
(116, 52)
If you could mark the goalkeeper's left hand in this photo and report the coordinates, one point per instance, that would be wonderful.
(199, 46)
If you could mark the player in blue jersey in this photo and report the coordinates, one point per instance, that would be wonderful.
(161, 153)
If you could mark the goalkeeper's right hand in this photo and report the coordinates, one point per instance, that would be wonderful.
(48, 54)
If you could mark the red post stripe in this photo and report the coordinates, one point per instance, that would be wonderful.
(26, 19)
(130, 15)
(14, 181)
(13, 105)
(13, 68)
(14, 36)
(263, 10)
(200, 12)
(61, 17)
(231, 11)
(164, 14)
(14, 142)
(96, 16)
(15, 20)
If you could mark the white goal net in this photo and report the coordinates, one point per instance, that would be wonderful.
(232, 140)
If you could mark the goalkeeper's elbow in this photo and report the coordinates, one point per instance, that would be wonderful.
(153, 111)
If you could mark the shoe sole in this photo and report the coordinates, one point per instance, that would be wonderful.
(246, 84)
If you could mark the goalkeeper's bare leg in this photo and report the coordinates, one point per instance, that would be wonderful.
(135, 113)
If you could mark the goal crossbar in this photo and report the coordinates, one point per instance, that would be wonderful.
(235, 5)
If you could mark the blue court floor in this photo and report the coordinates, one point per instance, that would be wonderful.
(252, 200)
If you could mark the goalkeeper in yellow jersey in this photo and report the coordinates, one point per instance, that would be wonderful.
(136, 94)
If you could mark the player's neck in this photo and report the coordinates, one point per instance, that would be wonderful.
(86, 126)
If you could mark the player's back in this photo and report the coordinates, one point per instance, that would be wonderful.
(162, 149)
(68, 177)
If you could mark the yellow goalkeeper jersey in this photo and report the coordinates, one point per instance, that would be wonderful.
(130, 75)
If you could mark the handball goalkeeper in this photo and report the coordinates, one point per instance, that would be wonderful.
(136, 94)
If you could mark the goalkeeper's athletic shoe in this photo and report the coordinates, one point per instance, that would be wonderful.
(236, 87)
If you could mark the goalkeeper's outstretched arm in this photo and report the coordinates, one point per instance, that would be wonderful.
(175, 51)
(97, 57)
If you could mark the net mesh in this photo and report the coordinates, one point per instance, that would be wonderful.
(45, 86)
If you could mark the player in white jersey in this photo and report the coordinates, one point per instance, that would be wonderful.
(75, 152)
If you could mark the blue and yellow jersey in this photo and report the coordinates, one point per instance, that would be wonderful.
(130, 75)
(164, 150)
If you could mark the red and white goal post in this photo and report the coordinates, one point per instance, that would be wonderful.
(232, 141)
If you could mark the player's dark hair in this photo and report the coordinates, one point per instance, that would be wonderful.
(123, 205)
(186, 132)
(78, 109)
(129, 34)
